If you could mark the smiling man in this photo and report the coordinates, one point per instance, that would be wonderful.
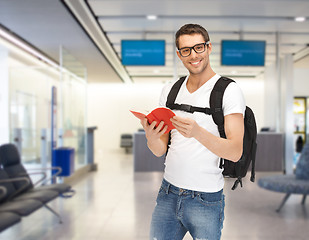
(191, 195)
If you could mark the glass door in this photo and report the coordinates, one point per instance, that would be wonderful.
(24, 111)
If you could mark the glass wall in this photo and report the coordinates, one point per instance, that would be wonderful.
(30, 113)
(73, 97)
(30, 99)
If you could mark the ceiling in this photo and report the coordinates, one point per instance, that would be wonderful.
(92, 31)
(48, 25)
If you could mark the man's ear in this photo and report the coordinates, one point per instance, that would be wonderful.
(209, 47)
(178, 54)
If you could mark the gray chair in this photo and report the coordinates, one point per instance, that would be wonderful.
(8, 203)
(8, 219)
(126, 141)
(297, 183)
(11, 163)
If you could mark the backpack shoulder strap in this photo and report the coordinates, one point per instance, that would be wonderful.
(171, 97)
(215, 102)
(170, 102)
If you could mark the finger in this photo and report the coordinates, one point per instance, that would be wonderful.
(180, 119)
(144, 122)
(153, 125)
(175, 122)
(164, 129)
(179, 125)
(160, 126)
(183, 132)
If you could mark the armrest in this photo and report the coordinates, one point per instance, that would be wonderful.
(44, 180)
(34, 173)
(10, 180)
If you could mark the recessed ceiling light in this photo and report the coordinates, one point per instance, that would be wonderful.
(152, 17)
(300, 19)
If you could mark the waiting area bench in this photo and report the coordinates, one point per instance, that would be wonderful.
(19, 196)
(297, 183)
(7, 219)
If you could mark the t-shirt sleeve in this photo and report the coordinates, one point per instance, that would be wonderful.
(233, 100)
(163, 97)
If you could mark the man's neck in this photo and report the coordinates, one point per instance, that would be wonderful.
(196, 81)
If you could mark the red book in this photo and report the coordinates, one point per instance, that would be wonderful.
(158, 115)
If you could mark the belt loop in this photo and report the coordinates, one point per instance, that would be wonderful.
(192, 194)
(167, 188)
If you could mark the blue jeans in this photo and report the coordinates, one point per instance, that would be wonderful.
(180, 210)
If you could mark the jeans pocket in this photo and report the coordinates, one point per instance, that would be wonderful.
(161, 193)
(209, 199)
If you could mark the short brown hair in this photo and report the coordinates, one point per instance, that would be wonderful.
(190, 29)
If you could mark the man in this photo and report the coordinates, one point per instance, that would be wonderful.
(191, 195)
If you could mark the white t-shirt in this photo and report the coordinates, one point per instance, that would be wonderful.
(189, 164)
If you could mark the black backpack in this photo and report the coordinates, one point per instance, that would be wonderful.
(231, 169)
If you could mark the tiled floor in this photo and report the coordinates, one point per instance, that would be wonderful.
(114, 203)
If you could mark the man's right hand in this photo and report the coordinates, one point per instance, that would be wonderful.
(156, 139)
(153, 133)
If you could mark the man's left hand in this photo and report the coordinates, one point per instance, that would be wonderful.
(185, 126)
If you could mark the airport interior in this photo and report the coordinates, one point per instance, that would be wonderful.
(74, 161)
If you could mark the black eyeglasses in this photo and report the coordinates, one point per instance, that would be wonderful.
(198, 48)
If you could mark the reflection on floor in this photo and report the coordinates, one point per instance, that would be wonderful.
(114, 203)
